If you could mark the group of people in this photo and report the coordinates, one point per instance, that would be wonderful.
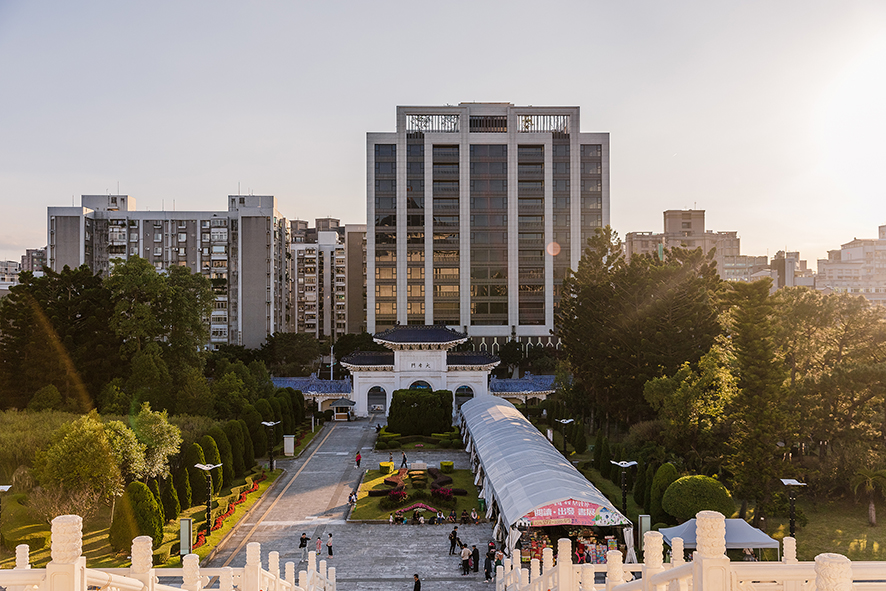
(303, 546)
(474, 517)
(470, 557)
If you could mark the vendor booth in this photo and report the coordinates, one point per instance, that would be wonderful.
(739, 535)
(533, 493)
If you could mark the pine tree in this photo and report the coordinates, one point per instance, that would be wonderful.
(640, 484)
(664, 476)
(183, 489)
(212, 456)
(169, 499)
(235, 439)
(197, 477)
(154, 487)
(225, 453)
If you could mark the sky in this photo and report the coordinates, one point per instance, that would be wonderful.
(768, 115)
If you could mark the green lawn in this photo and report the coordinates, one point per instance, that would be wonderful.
(367, 507)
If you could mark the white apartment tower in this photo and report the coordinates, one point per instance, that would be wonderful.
(474, 214)
(243, 251)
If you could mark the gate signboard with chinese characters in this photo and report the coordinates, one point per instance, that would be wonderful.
(573, 512)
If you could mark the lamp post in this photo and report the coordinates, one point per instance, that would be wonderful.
(270, 427)
(208, 469)
(564, 422)
(3, 489)
(792, 485)
(624, 465)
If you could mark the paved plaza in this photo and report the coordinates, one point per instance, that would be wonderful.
(311, 497)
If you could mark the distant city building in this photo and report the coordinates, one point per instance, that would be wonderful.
(744, 267)
(859, 267)
(244, 251)
(34, 259)
(685, 228)
(9, 271)
(475, 212)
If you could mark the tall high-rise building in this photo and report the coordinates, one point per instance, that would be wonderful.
(859, 267)
(243, 251)
(475, 212)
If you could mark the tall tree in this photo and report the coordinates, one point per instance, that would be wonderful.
(290, 354)
(759, 421)
(870, 481)
(161, 440)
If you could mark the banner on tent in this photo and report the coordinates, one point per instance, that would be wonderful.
(572, 512)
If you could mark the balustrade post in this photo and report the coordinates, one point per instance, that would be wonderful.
(564, 564)
(142, 568)
(587, 577)
(615, 573)
(303, 579)
(321, 572)
(22, 557)
(191, 573)
(289, 572)
(274, 569)
(330, 579)
(312, 561)
(252, 570)
(653, 545)
(67, 570)
(534, 569)
(506, 563)
(677, 560)
(789, 551)
(833, 572)
(711, 566)
(499, 578)
(547, 559)
(226, 579)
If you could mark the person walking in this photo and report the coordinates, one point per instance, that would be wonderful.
(475, 557)
(417, 586)
(358, 458)
(329, 545)
(465, 560)
(404, 463)
(303, 545)
(453, 538)
(487, 564)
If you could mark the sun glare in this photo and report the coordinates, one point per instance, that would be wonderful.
(852, 124)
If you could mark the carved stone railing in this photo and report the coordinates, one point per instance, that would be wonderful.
(709, 570)
(67, 570)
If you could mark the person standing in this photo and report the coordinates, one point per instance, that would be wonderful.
(303, 545)
(319, 546)
(417, 586)
(358, 458)
(404, 463)
(487, 564)
(453, 538)
(475, 557)
(329, 545)
(465, 560)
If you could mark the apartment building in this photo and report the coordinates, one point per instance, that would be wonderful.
(686, 229)
(476, 211)
(858, 267)
(244, 251)
(34, 259)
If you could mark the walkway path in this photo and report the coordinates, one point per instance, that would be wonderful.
(311, 497)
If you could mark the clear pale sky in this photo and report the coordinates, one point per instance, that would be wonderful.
(769, 115)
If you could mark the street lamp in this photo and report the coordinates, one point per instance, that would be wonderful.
(792, 485)
(564, 422)
(270, 427)
(208, 469)
(3, 489)
(624, 465)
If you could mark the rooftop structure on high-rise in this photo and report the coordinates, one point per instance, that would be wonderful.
(858, 267)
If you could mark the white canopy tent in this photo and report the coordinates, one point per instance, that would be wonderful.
(521, 470)
(739, 534)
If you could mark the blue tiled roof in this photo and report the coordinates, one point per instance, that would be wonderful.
(469, 358)
(314, 384)
(528, 383)
(369, 358)
(420, 333)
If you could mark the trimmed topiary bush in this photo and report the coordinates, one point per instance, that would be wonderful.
(183, 489)
(664, 476)
(136, 514)
(443, 444)
(197, 478)
(235, 440)
(226, 454)
(154, 486)
(213, 457)
(394, 444)
(686, 496)
(169, 499)
(446, 467)
(381, 445)
(420, 412)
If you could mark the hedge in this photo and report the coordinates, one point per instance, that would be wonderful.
(688, 495)
(420, 412)
(386, 467)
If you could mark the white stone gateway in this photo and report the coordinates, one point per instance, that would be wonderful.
(419, 357)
